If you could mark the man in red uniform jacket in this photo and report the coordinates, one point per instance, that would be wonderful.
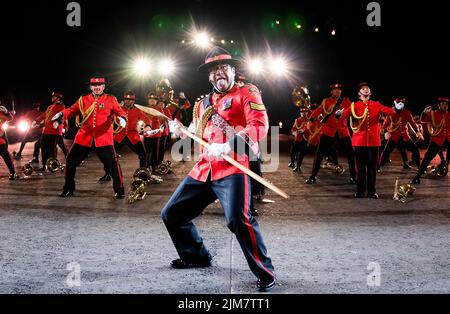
(53, 131)
(439, 128)
(231, 119)
(300, 145)
(152, 133)
(130, 135)
(6, 116)
(94, 113)
(364, 121)
(397, 126)
(332, 130)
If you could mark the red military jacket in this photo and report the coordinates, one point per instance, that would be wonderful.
(365, 122)
(48, 123)
(168, 113)
(96, 116)
(438, 125)
(300, 130)
(178, 113)
(133, 115)
(4, 118)
(242, 108)
(332, 125)
(397, 125)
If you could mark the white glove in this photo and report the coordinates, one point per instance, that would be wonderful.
(57, 117)
(3, 109)
(33, 124)
(151, 132)
(191, 128)
(181, 95)
(122, 122)
(339, 112)
(216, 150)
(175, 128)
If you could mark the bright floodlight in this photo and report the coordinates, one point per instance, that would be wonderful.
(5, 126)
(201, 39)
(142, 67)
(278, 66)
(23, 126)
(166, 67)
(255, 66)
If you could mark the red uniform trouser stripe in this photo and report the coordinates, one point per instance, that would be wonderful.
(250, 227)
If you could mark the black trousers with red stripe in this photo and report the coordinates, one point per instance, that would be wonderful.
(151, 145)
(366, 166)
(402, 146)
(107, 156)
(326, 144)
(234, 193)
(48, 147)
(432, 151)
(7, 158)
(137, 148)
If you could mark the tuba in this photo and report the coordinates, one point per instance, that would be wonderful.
(27, 170)
(53, 165)
(300, 97)
(141, 178)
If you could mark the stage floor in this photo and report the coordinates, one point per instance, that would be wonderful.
(321, 240)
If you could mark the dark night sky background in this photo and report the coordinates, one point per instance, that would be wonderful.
(406, 56)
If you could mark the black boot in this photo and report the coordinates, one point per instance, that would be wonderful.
(66, 193)
(311, 180)
(105, 178)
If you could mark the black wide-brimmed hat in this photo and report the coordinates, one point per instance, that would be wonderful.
(97, 79)
(216, 56)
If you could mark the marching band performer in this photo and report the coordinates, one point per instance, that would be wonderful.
(94, 118)
(301, 140)
(396, 125)
(439, 128)
(129, 135)
(332, 130)
(152, 133)
(231, 119)
(53, 131)
(364, 121)
(6, 116)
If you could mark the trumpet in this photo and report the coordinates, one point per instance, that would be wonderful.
(141, 178)
(53, 165)
(164, 168)
(27, 170)
(440, 170)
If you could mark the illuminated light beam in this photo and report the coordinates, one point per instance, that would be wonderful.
(255, 66)
(278, 66)
(166, 67)
(201, 39)
(23, 126)
(142, 67)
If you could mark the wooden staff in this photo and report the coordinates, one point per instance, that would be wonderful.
(156, 113)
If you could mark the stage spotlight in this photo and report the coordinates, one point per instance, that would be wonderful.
(278, 66)
(255, 66)
(201, 40)
(142, 67)
(166, 67)
(23, 126)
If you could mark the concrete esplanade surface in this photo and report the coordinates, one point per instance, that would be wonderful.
(321, 240)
